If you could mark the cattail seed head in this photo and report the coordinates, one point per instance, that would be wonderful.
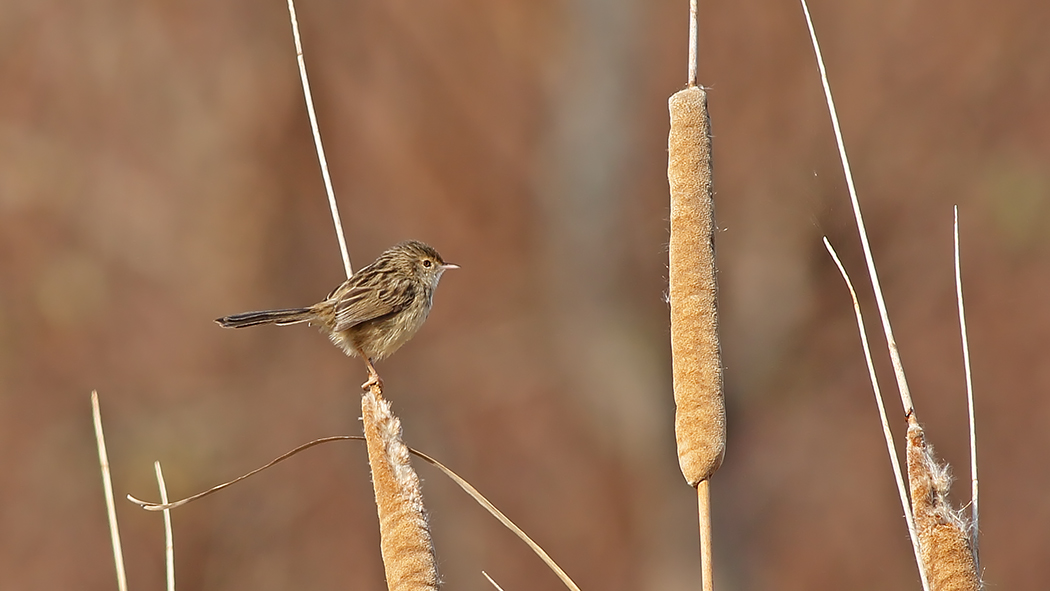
(700, 427)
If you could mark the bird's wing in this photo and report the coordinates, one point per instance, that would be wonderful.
(367, 302)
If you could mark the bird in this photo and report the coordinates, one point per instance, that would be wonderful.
(375, 311)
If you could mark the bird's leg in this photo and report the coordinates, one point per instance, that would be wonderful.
(373, 375)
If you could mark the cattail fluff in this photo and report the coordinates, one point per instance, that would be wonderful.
(700, 427)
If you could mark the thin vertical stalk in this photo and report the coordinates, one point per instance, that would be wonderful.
(169, 541)
(317, 142)
(107, 486)
(693, 39)
(895, 358)
(974, 513)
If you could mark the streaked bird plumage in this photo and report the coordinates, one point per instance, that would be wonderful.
(374, 312)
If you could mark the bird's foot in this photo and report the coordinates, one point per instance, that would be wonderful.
(373, 377)
(373, 380)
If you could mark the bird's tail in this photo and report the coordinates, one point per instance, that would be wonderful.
(278, 317)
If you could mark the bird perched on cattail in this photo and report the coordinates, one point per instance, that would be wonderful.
(373, 312)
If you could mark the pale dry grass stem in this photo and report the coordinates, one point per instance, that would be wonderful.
(974, 512)
(895, 358)
(107, 485)
(499, 515)
(891, 448)
(317, 141)
(492, 581)
(163, 506)
(169, 540)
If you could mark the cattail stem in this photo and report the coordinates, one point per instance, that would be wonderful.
(693, 34)
(703, 501)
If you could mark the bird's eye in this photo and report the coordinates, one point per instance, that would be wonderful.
(427, 263)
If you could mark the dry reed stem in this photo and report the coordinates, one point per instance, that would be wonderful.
(317, 141)
(499, 515)
(164, 506)
(700, 427)
(693, 27)
(169, 540)
(492, 581)
(891, 448)
(891, 343)
(107, 486)
(408, 553)
(975, 514)
(944, 535)
(703, 502)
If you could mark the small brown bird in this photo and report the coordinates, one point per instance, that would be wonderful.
(373, 312)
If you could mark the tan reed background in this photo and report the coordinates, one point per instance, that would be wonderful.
(156, 171)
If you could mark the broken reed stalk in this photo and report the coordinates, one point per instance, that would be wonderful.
(891, 448)
(944, 534)
(408, 553)
(700, 427)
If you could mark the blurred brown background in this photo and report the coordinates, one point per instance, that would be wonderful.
(156, 172)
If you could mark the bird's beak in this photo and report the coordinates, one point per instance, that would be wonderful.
(448, 266)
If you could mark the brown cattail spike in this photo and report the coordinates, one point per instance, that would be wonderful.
(696, 357)
(944, 535)
(408, 554)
